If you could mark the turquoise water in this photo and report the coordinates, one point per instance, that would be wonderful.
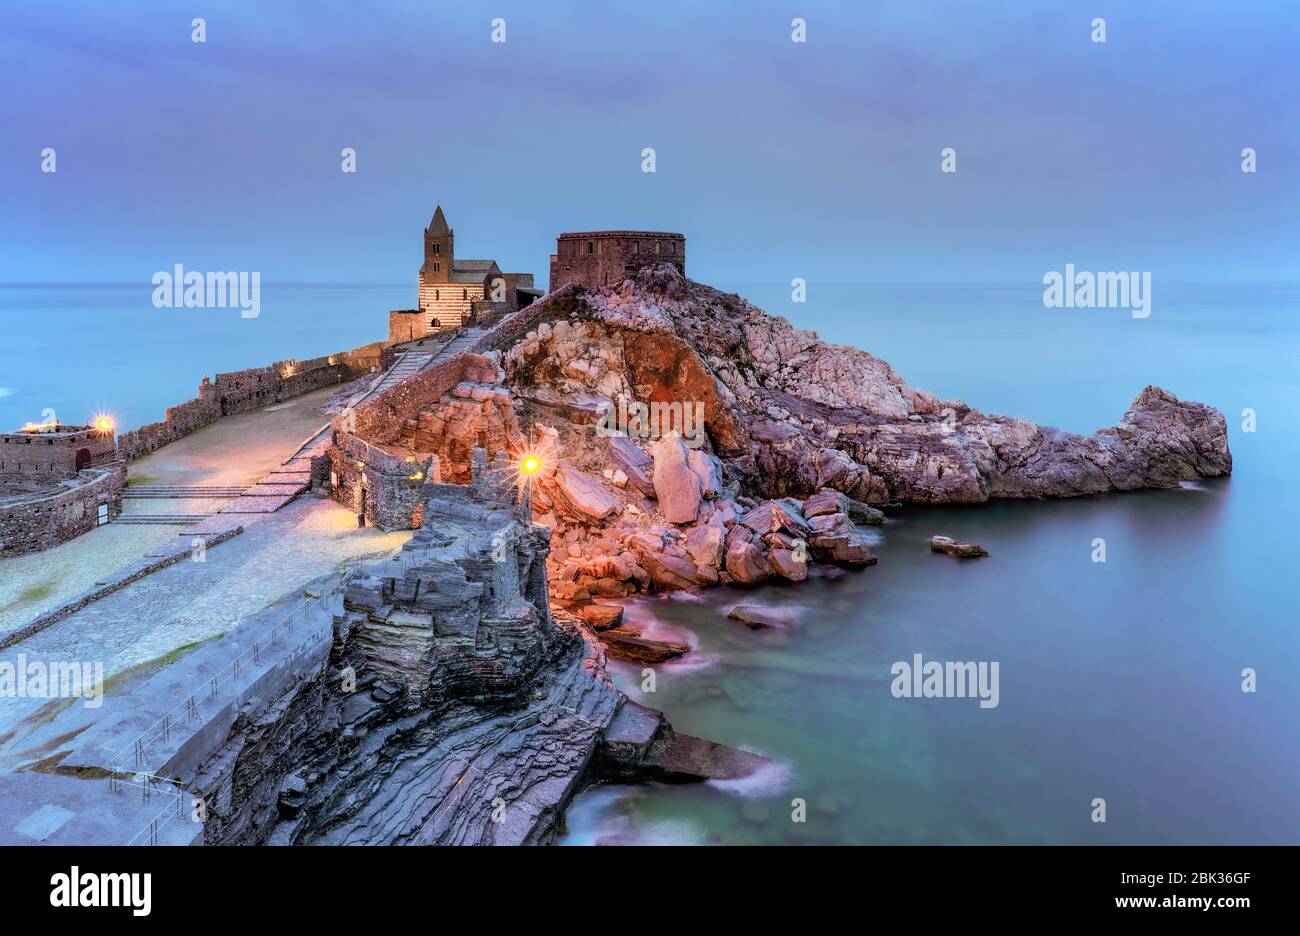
(1118, 680)
(88, 349)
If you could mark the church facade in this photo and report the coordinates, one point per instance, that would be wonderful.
(454, 292)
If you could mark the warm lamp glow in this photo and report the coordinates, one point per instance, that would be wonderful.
(104, 424)
(530, 465)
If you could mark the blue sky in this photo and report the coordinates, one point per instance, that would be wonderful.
(776, 159)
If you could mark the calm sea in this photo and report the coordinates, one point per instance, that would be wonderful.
(1118, 680)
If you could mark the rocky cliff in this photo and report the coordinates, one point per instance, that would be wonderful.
(790, 414)
(453, 708)
(691, 439)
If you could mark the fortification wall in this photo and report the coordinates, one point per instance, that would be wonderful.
(242, 391)
(50, 456)
(41, 522)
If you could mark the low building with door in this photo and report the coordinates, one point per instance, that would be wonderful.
(57, 482)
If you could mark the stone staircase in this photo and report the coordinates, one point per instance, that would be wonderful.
(156, 491)
(161, 519)
(408, 365)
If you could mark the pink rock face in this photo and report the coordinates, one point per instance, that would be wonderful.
(671, 571)
(677, 487)
(771, 516)
(788, 565)
(705, 545)
(709, 470)
(583, 493)
(633, 462)
(745, 561)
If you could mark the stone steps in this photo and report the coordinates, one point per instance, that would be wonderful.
(142, 491)
(160, 519)
(410, 364)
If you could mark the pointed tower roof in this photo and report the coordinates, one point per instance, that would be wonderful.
(439, 223)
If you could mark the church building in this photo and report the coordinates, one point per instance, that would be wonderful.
(455, 292)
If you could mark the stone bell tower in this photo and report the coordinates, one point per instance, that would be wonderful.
(439, 249)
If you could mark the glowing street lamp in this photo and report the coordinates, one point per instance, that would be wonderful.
(529, 465)
(104, 424)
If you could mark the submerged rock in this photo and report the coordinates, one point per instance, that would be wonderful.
(946, 544)
(630, 645)
(757, 617)
(601, 616)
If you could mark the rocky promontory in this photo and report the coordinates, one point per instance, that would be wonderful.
(754, 449)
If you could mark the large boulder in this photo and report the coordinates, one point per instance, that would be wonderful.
(705, 545)
(677, 486)
(745, 561)
(582, 493)
(774, 516)
(709, 470)
(636, 464)
(789, 564)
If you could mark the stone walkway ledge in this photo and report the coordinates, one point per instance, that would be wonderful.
(160, 557)
(78, 804)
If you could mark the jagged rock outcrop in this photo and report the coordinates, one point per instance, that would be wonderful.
(453, 708)
(790, 414)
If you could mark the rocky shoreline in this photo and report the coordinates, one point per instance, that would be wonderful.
(799, 445)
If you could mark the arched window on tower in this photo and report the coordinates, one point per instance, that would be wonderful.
(437, 248)
(464, 294)
(436, 297)
(436, 266)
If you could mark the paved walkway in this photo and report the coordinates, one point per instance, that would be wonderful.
(237, 450)
(194, 601)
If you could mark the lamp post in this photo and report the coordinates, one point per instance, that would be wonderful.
(528, 467)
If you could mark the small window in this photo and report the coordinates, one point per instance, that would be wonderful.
(437, 248)
(436, 266)
(464, 294)
(436, 297)
(591, 248)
